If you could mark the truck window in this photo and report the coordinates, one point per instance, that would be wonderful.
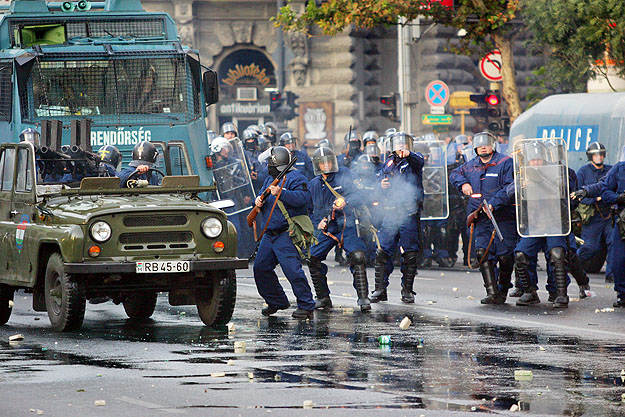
(177, 160)
(24, 172)
(6, 90)
(7, 165)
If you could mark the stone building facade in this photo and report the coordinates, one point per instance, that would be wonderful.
(338, 79)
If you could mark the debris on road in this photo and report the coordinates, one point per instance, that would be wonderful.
(11, 304)
(308, 404)
(250, 375)
(455, 289)
(348, 310)
(230, 362)
(514, 407)
(99, 403)
(239, 347)
(385, 339)
(16, 337)
(405, 323)
(605, 310)
(523, 375)
(230, 327)
(470, 297)
(218, 374)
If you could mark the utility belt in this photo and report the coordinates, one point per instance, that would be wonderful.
(279, 231)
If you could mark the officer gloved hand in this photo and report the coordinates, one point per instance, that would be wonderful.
(579, 194)
(323, 224)
(259, 202)
(621, 198)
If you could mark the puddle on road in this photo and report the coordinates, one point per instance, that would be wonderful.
(436, 364)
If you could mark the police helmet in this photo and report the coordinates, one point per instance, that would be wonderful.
(255, 128)
(364, 165)
(263, 143)
(326, 157)
(430, 137)
(276, 156)
(144, 153)
(594, 148)
(351, 136)
(211, 135)
(324, 143)
(555, 151)
(287, 138)
(250, 139)
(535, 150)
(483, 139)
(229, 127)
(370, 136)
(219, 144)
(401, 141)
(30, 135)
(111, 156)
(390, 131)
(462, 139)
(372, 150)
(422, 148)
(272, 132)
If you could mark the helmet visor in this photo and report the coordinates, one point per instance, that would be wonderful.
(483, 139)
(325, 164)
(401, 142)
(372, 150)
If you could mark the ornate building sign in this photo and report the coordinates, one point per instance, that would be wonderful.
(245, 68)
(316, 121)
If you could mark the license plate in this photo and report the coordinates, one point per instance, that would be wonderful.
(159, 267)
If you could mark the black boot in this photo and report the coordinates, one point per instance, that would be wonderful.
(357, 260)
(441, 242)
(488, 275)
(521, 265)
(380, 286)
(320, 283)
(558, 263)
(407, 280)
(338, 256)
(506, 267)
(576, 269)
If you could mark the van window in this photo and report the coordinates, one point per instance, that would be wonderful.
(7, 163)
(177, 160)
(24, 172)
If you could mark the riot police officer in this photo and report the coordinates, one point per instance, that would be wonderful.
(353, 144)
(370, 137)
(144, 156)
(251, 148)
(276, 246)
(271, 132)
(304, 164)
(335, 196)
(324, 143)
(229, 130)
(111, 159)
(486, 178)
(596, 214)
(402, 184)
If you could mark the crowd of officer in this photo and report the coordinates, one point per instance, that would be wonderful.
(367, 201)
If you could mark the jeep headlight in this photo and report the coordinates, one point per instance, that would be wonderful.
(100, 231)
(211, 227)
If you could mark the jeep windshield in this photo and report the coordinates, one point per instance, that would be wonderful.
(115, 90)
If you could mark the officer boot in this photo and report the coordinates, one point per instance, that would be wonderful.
(558, 263)
(490, 281)
(522, 267)
(442, 239)
(506, 267)
(357, 261)
(517, 291)
(407, 280)
(320, 283)
(380, 286)
(576, 269)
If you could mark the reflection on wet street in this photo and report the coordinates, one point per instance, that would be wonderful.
(337, 361)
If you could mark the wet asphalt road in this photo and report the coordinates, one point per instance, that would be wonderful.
(458, 357)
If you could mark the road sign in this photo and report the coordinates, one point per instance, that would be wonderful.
(437, 109)
(461, 100)
(490, 66)
(436, 119)
(437, 93)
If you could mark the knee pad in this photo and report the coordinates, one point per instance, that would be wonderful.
(521, 259)
(411, 258)
(506, 262)
(357, 257)
(381, 256)
(314, 262)
(557, 255)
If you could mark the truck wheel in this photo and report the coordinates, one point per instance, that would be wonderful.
(6, 298)
(215, 305)
(65, 296)
(594, 264)
(140, 305)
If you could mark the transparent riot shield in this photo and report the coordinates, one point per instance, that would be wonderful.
(386, 148)
(436, 195)
(232, 176)
(541, 181)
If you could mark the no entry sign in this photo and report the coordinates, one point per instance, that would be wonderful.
(490, 66)
(437, 93)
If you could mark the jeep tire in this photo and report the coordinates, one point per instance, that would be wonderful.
(215, 305)
(6, 298)
(65, 296)
(140, 305)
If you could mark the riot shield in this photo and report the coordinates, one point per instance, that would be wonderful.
(541, 181)
(436, 195)
(232, 176)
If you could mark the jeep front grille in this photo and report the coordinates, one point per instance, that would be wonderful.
(155, 220)
(156, 240)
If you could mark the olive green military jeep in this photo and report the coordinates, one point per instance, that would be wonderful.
(68, 245)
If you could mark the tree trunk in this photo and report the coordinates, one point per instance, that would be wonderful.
(509, 88)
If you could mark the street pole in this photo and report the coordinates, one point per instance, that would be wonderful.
(403, 75)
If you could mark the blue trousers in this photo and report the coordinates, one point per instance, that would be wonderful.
(484, 230)
(618, 262)
(551, 281)
(245, 234)
(351, 243)
(530, 246)
(431, 237)
(402, 231)
(596, 232)
(274, 250)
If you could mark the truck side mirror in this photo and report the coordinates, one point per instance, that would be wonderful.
(211, 87)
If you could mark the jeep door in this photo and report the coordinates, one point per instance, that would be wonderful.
(8, 256)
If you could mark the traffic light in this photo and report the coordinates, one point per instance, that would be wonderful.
(389, 106)
(283, 105)
(291, 99)
(488, 111)
(481, 112)
(275, 101)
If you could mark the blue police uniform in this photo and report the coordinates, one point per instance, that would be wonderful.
(124, 174)
(344, 161)
(611, 186)
(400, 225)
(341, 227)
(598, 230)
(367, 184)
(489, 182)
(276, 246)
(304, 164)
